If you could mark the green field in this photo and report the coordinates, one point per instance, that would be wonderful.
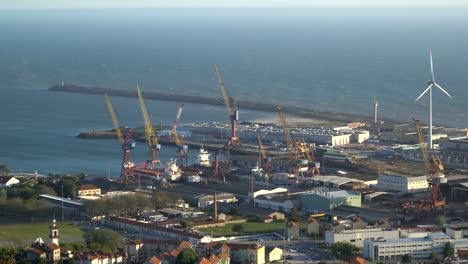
(26, 233)
(249, 227)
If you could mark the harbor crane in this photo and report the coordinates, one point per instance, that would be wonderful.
(126, 171)
(181, 148)
(434, 168)
(231, 107)
(153, 164)
(293, 151)
(309, 155)
(265, 160)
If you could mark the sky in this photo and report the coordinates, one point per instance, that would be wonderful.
(226, 3)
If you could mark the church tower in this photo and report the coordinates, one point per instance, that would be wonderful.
(54, 233)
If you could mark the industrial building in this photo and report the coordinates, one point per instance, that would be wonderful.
(358, 236)
(330, 181)
(395, 249)
(454, 151)
(401, 183)
(457, 231)
(204, 200)
(317, 201)
(324, 136)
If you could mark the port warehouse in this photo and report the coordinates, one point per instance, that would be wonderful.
(329, 136)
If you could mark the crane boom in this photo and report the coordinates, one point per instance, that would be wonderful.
(227, 101)
(422, 146)
(287, 135)
(262, 149)
(111, 111)
(177, 139)
(151, 138)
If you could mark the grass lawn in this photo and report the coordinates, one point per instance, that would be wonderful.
(26, 233)
(249, 227)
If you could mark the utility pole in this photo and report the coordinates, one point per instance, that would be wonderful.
(62, 205)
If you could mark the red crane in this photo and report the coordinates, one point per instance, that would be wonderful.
(126, 171)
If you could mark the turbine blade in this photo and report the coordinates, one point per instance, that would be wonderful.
(432, 65)
(443, 90)
(423, 93)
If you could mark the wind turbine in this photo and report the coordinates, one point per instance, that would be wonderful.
(431, 83)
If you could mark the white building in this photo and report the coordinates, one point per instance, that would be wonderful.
(6, 181)
(395, 249)
(357, 236)
(283, 203)
(457, 231)
(405, 184)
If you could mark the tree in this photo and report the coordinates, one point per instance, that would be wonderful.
(186, 224)
(448, 251)
(7, 255)
(3, 196)
(186, 256)
(103, 239)
(343, 250)
(295, 215)
(4, 169)
(239, 228)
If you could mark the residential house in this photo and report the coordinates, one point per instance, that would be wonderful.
(89, 190)
(153, 260)
(313, 226)
(273, 254)
(247, 253)
(6, 181)
(292, 230)
(273, 216)
(98, 257)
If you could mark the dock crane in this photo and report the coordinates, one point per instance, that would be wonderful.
(181, 148)
(293, 152)
(287, 136)
(433, 168)
(231, 107)
(126, 171)
(309, 155)
(266, 161)
(153, 164)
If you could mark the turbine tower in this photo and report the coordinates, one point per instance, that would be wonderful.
(431, 83)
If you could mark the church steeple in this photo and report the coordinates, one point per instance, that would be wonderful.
(54, 233)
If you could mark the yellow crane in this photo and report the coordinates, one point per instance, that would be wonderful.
(433, 178)
(111, 111)
(262, 148)
(287, 136)
(231, 107)
(302, 148)
(126, 171)
(181, 154)
(151, 138)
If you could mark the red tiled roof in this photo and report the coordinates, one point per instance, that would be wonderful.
(53, 246)
(185, 244)
(37, 251)
(154, 260)
(223, 255)
(175, 252)
(214, 259)
(357, 260)
(203, 261)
